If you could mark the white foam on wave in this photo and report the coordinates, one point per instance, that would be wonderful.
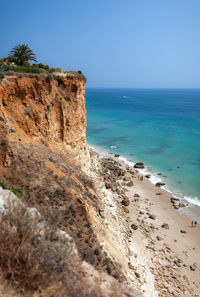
(192, 200)
(153, 179)
(126, 161)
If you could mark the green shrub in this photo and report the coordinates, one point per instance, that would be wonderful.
(2, 75)
(34, 65)
(26, 69)
(2, 185)
(42, 66)
(51, 70)
(17, 192)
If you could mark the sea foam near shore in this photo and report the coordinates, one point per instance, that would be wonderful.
(193, 201)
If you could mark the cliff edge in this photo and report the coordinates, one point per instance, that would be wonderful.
(44, 153)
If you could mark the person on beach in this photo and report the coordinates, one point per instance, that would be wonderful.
(195, 223)
(192, 223)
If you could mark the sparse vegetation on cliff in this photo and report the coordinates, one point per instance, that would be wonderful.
(17, 64)
(31, 257)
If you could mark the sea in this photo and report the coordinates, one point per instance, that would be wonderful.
(159, 127)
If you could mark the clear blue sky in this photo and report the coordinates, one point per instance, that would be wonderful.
(116, 43)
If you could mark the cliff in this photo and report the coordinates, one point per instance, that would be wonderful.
(46, 110)
(44, 153)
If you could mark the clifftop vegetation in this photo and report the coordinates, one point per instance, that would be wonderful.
(17, 64)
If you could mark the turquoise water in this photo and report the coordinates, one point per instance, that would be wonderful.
(160, 127)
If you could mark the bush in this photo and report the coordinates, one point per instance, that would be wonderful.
(75, 74)
(42, 66)
(2, 75)
(58, 69)
(29, 258)
(17, 192)
(26, 69)
(2, 185)
(51, 70)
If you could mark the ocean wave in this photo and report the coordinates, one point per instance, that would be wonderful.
(192, 200)
(113, 146)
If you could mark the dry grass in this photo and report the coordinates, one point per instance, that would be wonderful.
(31, 257)
(38, 262)
(55, 75)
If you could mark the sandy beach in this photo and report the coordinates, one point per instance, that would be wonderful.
(163, 245)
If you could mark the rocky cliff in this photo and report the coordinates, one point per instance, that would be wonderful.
(44, 153)
(51, 110)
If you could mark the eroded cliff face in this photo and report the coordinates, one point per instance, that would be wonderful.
(43, 152)
(46, 109)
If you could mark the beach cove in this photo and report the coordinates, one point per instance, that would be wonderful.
(163, 246)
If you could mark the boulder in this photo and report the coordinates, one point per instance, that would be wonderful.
(139, 165)
(134, 226)
(125, 202)
(125, 209)
(181, 205)
(183, 231)
(136, 195)
(116, 155)
(159, 184)
(126, 178)
(173, 200)
(151, 216)
(108, 185)
(130, 265)
(129, 184)
(165, 226)
(148, 175)
(177, 263)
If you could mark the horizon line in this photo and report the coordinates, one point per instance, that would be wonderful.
(147, 88)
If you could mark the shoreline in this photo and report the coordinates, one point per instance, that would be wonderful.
(163, 247)
(192, 208)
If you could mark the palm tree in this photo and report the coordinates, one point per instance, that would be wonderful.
(21, 54)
